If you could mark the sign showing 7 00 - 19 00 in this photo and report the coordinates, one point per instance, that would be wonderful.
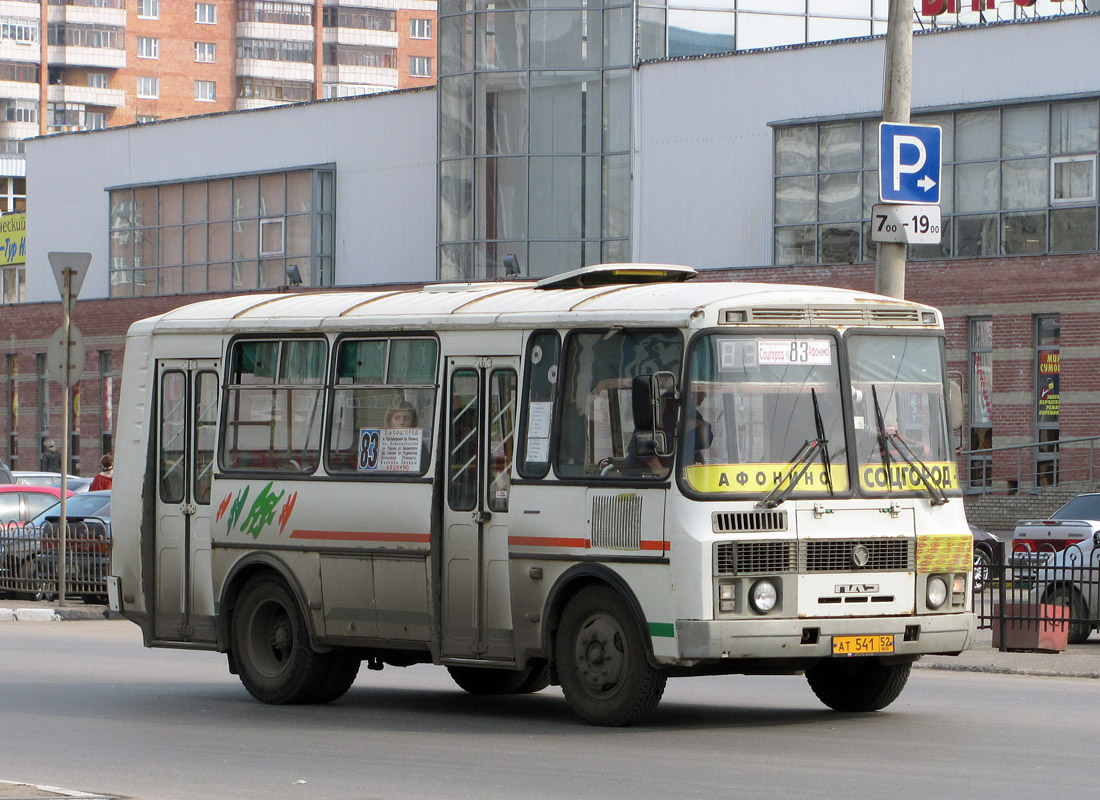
(912, 224)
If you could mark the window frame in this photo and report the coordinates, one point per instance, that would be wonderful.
(148, 9)
(148, 47)
(206, 13)
(418, 62)
(201, 95)
(153, 82)
(206, 52)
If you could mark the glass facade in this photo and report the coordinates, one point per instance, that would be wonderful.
(227, 234)
(534, 115)
(1017, 180)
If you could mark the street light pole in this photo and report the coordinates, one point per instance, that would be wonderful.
(897, 87)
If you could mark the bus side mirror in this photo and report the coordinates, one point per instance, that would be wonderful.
(641, 401)
(955, 404)
(647, 444)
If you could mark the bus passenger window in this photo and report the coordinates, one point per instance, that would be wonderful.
(273, 419)
(383, 406)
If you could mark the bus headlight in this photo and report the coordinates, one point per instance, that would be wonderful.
(763, 596)
(936, 591)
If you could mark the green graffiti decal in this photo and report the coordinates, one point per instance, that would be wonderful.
(235, 511)
(262, 512)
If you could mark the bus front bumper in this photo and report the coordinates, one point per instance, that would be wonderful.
(709, 640)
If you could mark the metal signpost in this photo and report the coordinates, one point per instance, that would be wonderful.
(65, 361)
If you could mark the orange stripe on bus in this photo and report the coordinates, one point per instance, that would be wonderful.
(662, 546)
(362, 536)
(547, 541)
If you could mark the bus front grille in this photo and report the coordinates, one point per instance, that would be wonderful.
(739, 521)
(856, 555)
(754, 558)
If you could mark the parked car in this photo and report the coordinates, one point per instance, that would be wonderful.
(988, 551)
(87, 548)
(18, 540)
(74, 483)
(1034, 541)
(1071, 578)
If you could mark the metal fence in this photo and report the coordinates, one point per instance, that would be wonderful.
(1035, 465)
(30, 565)
(1032, 600)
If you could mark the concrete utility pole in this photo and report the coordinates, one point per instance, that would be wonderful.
(897, 85)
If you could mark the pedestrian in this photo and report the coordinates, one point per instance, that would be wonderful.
(51, 459)
(106, 477)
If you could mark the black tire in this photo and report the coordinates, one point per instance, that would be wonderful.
(490, 680)
(858, 684)
(271, 646)
(342, 669)
(602, 662)
(983, 562)
(1070, 598)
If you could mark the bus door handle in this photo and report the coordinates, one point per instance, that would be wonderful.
(481, 517)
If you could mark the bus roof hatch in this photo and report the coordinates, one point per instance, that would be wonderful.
(612, 274)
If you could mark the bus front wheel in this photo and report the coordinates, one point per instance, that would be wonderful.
(272, 652)
(858, 684)
(601, 660)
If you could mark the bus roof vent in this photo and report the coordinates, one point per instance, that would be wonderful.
(612, 274)
(746, 521)
(825, 315)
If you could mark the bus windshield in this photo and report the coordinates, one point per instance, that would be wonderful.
(763, 416)
(900, 415)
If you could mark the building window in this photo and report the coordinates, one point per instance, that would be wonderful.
(275, 50)
(13, 409)
(148, 9)
(420, 67)
(206, 13)
(205, 52)
(20, 110)
(1048, 392)
(99, 80)
(148, 88)
(204, 91)
(148, 47)
(227, 234)
(80, 34)
(981, 403)
(420, 28)
(277, 12)
(1017, 180)
(371, 19)
(143, 118)
(13, 284)
(271, 89)
(23, 73)
(354, 55)
(42, 379)
(19, 30)
(95, 120)
(107, 403)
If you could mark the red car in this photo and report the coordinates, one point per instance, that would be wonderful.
(20, 503)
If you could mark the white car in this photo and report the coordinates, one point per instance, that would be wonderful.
(74, 483)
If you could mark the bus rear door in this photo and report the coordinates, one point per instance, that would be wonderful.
(187, 418)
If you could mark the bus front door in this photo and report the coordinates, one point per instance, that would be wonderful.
(481, 411)
(187, 418)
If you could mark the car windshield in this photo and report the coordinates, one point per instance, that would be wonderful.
(899, 414)
(79, 505)
(1083, 506)
(763, 414)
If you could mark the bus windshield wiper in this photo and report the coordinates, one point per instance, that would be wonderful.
(801, 463)
(906, 452)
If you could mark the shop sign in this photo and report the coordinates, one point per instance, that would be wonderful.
(14, 239)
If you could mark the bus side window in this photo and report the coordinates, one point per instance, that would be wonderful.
(540, 378)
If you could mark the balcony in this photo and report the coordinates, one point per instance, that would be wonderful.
(74, 56)
(275, 70)
(110, 98)
(370, 76)
(93, 15)
(361, 36)
(18, 130)
(275, 30)
(18, 90)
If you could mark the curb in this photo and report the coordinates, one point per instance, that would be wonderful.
(57, 614)
(13, 790)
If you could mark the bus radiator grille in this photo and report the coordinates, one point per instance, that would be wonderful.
(856, 555)
(754, 558)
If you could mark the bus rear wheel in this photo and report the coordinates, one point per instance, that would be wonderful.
(271, 647)
(601, 660)
(858, 684)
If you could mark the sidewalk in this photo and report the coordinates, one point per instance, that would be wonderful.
(1078, 660)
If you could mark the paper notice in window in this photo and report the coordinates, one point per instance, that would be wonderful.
(538, 450)
(390, 450)
(539, 416)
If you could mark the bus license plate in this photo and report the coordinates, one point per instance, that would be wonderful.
(863, 645)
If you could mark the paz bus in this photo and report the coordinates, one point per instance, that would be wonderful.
(598, 480)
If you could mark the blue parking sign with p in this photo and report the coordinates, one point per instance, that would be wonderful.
(909, 163)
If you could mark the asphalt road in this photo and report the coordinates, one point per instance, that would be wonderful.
(84, 706)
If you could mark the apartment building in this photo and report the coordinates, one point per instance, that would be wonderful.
(105, 63)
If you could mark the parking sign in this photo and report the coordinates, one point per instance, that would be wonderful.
(909, 163)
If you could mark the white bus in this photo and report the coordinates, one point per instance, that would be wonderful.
(599, 480)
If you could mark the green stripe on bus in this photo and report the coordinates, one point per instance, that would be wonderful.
(662, 629)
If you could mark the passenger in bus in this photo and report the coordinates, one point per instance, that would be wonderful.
(401, 414)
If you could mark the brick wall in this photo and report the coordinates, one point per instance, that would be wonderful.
(1000, 512)
(407, 46)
